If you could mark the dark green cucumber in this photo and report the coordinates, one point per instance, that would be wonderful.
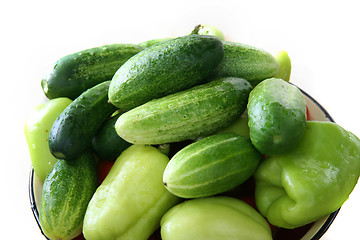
(194, 112)
(65, 195)
(164, 68)
(248, 62)
(74, 73)
(210, 166)
(277, 116)
(107, 144)
(73, 130)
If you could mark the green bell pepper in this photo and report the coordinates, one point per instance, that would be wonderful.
(312, 180)
(132, 199)
(37, 127)
(213, 218)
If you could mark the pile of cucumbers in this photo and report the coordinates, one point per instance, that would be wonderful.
(166, 113)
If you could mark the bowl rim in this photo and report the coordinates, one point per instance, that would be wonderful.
(324, 227)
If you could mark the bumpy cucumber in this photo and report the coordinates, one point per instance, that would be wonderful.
(75, 73)
(106, 143)
(277, 116)
(73, 130)
(165, 68)
(132, 199)
(248, 62)
(210, 166)
(65, 195)
(195, 112)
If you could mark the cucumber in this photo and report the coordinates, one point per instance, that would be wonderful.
(248, 62)
(107, 144)
(74, 73)
(165, 68)
(277, 116)
(73, 130)
(189, 114)
(151, 42)
(65, 195)
(210, 166)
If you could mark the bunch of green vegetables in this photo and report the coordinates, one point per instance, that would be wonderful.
(184, 122)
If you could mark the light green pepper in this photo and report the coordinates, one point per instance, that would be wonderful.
(285, 65)
(312, 180)
(132, 199)
(37, 127)
(203, 29)
(214, 218)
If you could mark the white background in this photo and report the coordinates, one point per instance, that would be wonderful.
(321, 37)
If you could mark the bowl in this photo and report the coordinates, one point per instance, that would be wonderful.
(312, 231)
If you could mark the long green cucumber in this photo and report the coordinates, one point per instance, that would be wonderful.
(73, 130)
(74, 73)
(164, 68)
(65, 195)
(248, 62)
(106, 143)
(210, 166)
(195, 112)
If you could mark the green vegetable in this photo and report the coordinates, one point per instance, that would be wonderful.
(214, 218)
(285, 65)
(73, 130)
(208, 30)
(277, 116)
(248, 62)
(37, 127)
(195, 112)
(165, 68)
(312, 180)
(210, 166)
(106, 143)
(65, 195)
(151, 42)
(75, 73)
(132, 199)
(240, 126)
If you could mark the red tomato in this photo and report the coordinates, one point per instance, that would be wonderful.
(103, 169)
(80, 237)
(307, 114)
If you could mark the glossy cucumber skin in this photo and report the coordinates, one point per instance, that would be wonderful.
(106, 143)
(65, 195)
(189, 114)
(248, 62)
(132, 199)
(37, 127)
(277, 116)
(73, 130)
(212, 165)
(74, 73)
(164, 68)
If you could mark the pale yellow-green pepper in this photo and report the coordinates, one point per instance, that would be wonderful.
(37, 127)
(132, 199)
